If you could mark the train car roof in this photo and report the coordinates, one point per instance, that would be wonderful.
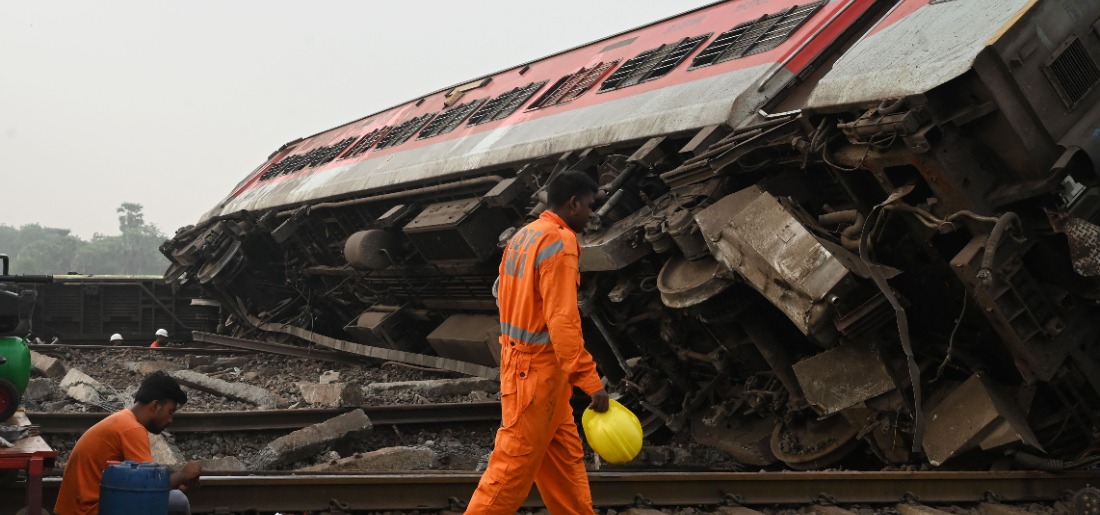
(916, 47)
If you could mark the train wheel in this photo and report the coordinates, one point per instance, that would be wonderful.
(9, 399)
(810, 443)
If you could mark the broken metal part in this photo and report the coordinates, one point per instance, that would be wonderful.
(977, 410)
(842, 377)
(456, 231)
(1084, 242)
(753, 235)
(472, 338)
(1016, 306)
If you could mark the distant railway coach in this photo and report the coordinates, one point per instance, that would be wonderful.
(823, 227)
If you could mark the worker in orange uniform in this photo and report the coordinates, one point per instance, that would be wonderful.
(542, 358)
(125, 436)
(160, 339)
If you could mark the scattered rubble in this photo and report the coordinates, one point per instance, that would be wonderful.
(237, 391)
(310, 440)
(148, 367)
(434, 388)
(331, 394)
(83, 388)
(47, 366)
(388, 459)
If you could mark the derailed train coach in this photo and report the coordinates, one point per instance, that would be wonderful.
(849, 231)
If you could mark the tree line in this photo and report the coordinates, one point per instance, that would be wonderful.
(34, 249)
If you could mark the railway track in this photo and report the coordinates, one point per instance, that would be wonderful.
(436, 491)
(185, 422)
(55, 348)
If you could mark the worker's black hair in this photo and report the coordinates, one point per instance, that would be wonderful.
(568, 184)
(160, 386)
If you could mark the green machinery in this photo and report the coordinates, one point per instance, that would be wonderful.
(15, 356)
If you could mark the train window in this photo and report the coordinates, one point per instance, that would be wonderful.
(403, 132)
(1072, 72)
(450, 119)
(573, 85)
(366, 142)
(756, 36)
(313, 158)
(652, 64)
(505, 104)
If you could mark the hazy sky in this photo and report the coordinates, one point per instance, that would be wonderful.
(171, 104)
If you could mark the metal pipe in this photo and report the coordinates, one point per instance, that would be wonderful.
(435, 188)
(1007, 221)
(609, 337)
(777, 356)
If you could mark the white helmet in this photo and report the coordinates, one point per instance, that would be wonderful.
(162, 332)
(116, 337)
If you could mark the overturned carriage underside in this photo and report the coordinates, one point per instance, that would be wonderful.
(873, 277)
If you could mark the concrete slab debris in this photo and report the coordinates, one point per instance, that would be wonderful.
(918, 509)
(47, 365)
(236, 391)
(225, 464)
(388, 459)
(331, 394)
(976, 410)
(83, 388)
(148, 367)
(310, 440)
(165, 453)
(435, 387)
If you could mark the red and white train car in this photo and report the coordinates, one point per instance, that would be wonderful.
(823, 226)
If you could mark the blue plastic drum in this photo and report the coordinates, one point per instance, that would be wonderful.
(129, 488)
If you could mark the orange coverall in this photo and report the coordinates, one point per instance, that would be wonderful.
(542, 357)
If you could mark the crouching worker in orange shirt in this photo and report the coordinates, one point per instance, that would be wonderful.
(542, 358)
(125, 436)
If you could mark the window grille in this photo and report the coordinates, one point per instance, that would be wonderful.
(573, 85)
(505, 104)
(652, 64)
(449, 120)
(366, 142)
(403, 132)
(756, 36)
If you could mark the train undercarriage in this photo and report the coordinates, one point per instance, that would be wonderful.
(774, 291)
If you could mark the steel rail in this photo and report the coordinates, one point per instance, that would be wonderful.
(51, 348)
(259, 420)
(296, 351)
(434, 491)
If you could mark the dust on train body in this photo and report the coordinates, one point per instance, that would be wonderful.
(806, 209)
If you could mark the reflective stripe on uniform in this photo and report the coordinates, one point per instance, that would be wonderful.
(548, 252)
(523, 335)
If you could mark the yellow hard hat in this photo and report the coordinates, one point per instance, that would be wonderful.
(615, 434)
